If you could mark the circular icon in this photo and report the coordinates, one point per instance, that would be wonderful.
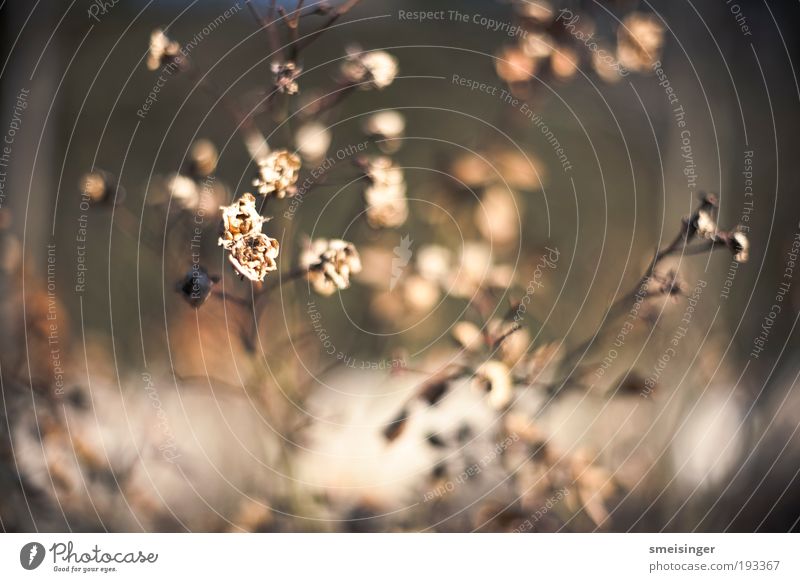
(31, 555)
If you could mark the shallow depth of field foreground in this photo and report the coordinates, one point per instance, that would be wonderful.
(397, 266)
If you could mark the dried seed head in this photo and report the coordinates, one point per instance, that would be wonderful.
(387, 206)
(537, 11)
(382, 170)
(514, 66)
(240, 219)
(277, 174)
(702, 222)
(196, 285)
(312, 140)
(640, 37)
(253, 256)
(256, 145)
(495, 377)
(523, 171)
(385, 196)
(473, 271)
(738, 243)
(498, 217)
(286, 75)
(101, 187)
(10, 246)
(433, 262)
(606, 69)
(537, 45)
(183, 191)
(471, 170)
(564, 62)
(420, 294)
(163, 50)
(468, 336)
(329, 264)
(374, 69)
(387, 126)
(252, 253)
(203, 158)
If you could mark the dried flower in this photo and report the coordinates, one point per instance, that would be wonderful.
(286, 75)
(564, 62)
(473, 270)
(312, 140)
(240, 219)
(640, 37)
(498, 216)
(495, 378)
(10, 246)
(372, 69)
(433, 262)
(329, 264)
(277, 174)
(514, 66)
(538, 11)
(386, 206)
(196, 285)
(385, 196)
(163, 50)
(203, 158)
(253, 255)
(186, 192)
(468, 336)
(471, 170)
(387, 126)
(420, 294)
(702, 222)
(738, 243)
(537, 45)
(183, 190)
(608, 70)
(101, 187)
(518, 170)
(256, 145)
(382, 170)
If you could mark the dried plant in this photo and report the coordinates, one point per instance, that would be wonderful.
(491, 349)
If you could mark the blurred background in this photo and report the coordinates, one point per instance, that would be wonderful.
(528, 164)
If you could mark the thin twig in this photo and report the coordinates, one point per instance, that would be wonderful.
(338, 13)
